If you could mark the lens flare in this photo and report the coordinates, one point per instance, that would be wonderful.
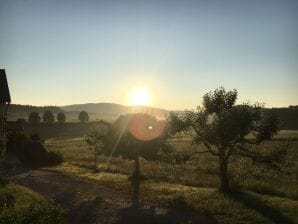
(145, 127)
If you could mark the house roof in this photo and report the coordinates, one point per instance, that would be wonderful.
(4, 90)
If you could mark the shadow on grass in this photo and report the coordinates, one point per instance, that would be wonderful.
(261, 207)
(177, 212)
(87, 212)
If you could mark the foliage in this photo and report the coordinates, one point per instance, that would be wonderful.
(83, 116)
(222, 128)
(36, 213)
(48, 117)
(34, 118)
(61, 117)
(95, 140)
(133, 140)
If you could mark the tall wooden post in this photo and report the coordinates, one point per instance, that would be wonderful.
(4, 103)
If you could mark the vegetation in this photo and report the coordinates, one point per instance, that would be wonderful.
(34, 118)
(246, 207)
(181, 161)
(48, 117)
(222, 128)
(83, 117)
(20, 205)
(95, 141)
(134, 136)
(31, 151)
(61, 118)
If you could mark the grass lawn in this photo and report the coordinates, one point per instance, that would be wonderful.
(21, 205)
(244, 207)
(265, 196)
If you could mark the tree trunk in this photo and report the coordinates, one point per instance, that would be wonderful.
(136, 173)
(223, 173)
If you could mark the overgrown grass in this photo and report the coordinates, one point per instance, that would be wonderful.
(245, 207)
(21, 205)
(200, 172)
(264, 196)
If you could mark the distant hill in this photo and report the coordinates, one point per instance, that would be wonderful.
(288, 116)
(115, 109)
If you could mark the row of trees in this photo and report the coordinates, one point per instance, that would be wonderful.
(49, 118)
(219, 126)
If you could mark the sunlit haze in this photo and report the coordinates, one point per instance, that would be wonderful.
(139, 96)
(69, 52)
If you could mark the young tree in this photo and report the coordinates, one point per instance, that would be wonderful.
(83, 117)
(34, 118)
(222, 128)
(48, 117)
(134, 136)
(61, 117)
(95, 140)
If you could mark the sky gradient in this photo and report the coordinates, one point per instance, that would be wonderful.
(67, 52)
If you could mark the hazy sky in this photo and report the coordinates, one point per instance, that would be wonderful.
(63, 52)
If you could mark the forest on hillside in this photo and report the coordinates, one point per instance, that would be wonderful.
(287, 116)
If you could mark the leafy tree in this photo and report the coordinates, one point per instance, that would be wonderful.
(61, 117)
(83, 117)
(134, 136)
(34, 118)
(222, 128)
(48, 117)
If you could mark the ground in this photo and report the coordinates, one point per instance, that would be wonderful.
(170, 193)
(88, 202)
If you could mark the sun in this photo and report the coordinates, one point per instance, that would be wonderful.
(139, 96)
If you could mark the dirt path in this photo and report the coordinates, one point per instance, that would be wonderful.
(88, 202)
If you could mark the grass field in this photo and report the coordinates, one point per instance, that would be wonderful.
(267, 196)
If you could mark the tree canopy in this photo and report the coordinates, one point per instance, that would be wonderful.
(61, 117)
(136, 135)
(83, 116)
(48, 117)
(223, 128)
(34, 118)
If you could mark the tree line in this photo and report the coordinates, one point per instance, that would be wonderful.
(218, 126)
(49, 118)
